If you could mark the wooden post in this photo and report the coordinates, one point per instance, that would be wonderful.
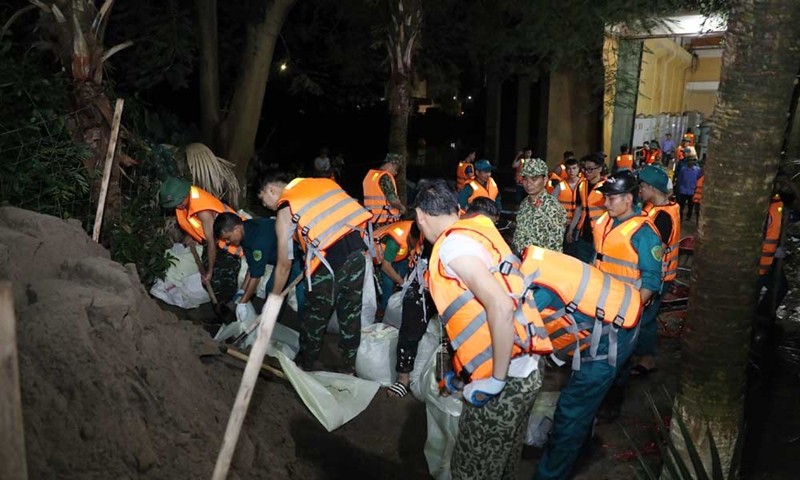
(112, 147)
(266, 322)
(12, 434)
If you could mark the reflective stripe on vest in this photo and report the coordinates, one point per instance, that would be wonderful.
(490, 191)
(591, 202)
(772, 235)
(464, 317)
(461, 174)
(615, 253)
(581, 288)
(322, 214)
(568, 198)
(200, 200)
(669, 261)
(374, 199)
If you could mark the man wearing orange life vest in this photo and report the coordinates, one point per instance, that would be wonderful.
(629, 249)
(588, 210)
(666, 217)
(772, 235)
(483, 186)
(465, 171)
(653, 154)
(591, 318)
(329, 226)
(495, 340)
(195, 211)
(624, 160)
(380, 191)
(567, 195)
(395, 244)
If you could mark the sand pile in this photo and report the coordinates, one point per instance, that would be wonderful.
(114, 387)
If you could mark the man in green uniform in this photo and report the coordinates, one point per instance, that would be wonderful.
(540, 219)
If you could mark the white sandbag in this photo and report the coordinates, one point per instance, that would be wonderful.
(442, 413)
(541, 420)
(283, 339)
(333, 398)
(394, 310)
(369, 301)
(182, 285)
(427, 346)
(261, 289)
(377, 354)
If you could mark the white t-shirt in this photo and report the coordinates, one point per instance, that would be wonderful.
(457, 245)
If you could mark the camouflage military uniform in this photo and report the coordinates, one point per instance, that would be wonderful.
(540, 222)
(342, 292)
(490, 438)
(225, 278)
(387, 187)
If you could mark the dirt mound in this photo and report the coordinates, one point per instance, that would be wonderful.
(114, 387)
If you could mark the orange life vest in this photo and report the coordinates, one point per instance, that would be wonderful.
(615, 252)
(669, 262)
(772, 235)
(462, 178)
(624, 162)
(553, 179)
(375, 200)
(322, 214)
(591, 202)
(463, 316)
(399, 232)
(489, 191)
(585, 289)
(653, 156)
(200, 200)
(690, 138)
(698, 190)
(568, 197)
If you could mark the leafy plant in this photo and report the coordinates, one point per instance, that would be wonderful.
(675, 464)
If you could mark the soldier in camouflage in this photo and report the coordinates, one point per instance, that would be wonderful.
(541, 218)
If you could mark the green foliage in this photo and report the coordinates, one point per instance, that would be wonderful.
(141, 237)
(675, 464)
(40, 167)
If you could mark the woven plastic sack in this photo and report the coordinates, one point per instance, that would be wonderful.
(377, 354)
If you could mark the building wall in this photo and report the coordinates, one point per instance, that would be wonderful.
(573, 117)
(664, 69)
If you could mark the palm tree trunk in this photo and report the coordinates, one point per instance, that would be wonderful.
(402, 42)
(759, 65)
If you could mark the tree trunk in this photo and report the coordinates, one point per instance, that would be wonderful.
(209, 71)
(402, 42)
(238, 131)
(759, 65)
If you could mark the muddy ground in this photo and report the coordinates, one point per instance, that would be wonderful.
(114, 386)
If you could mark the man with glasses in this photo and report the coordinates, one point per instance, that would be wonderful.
(588, 209)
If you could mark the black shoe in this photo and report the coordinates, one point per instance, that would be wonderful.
(612, 405)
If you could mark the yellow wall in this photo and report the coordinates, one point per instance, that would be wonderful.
(662, 77)
(707, 69)
(570, 126)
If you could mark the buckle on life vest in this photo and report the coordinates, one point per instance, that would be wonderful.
(296, 218)
(571, 307)
(315, 243)
(305, 231)
(600, 257)
(600, 314)
(619, 321)
(505, 267)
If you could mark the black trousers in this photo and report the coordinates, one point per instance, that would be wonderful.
(415, 320)
(687, 206)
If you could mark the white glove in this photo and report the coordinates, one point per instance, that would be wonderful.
(241, 312)
(479, 392)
